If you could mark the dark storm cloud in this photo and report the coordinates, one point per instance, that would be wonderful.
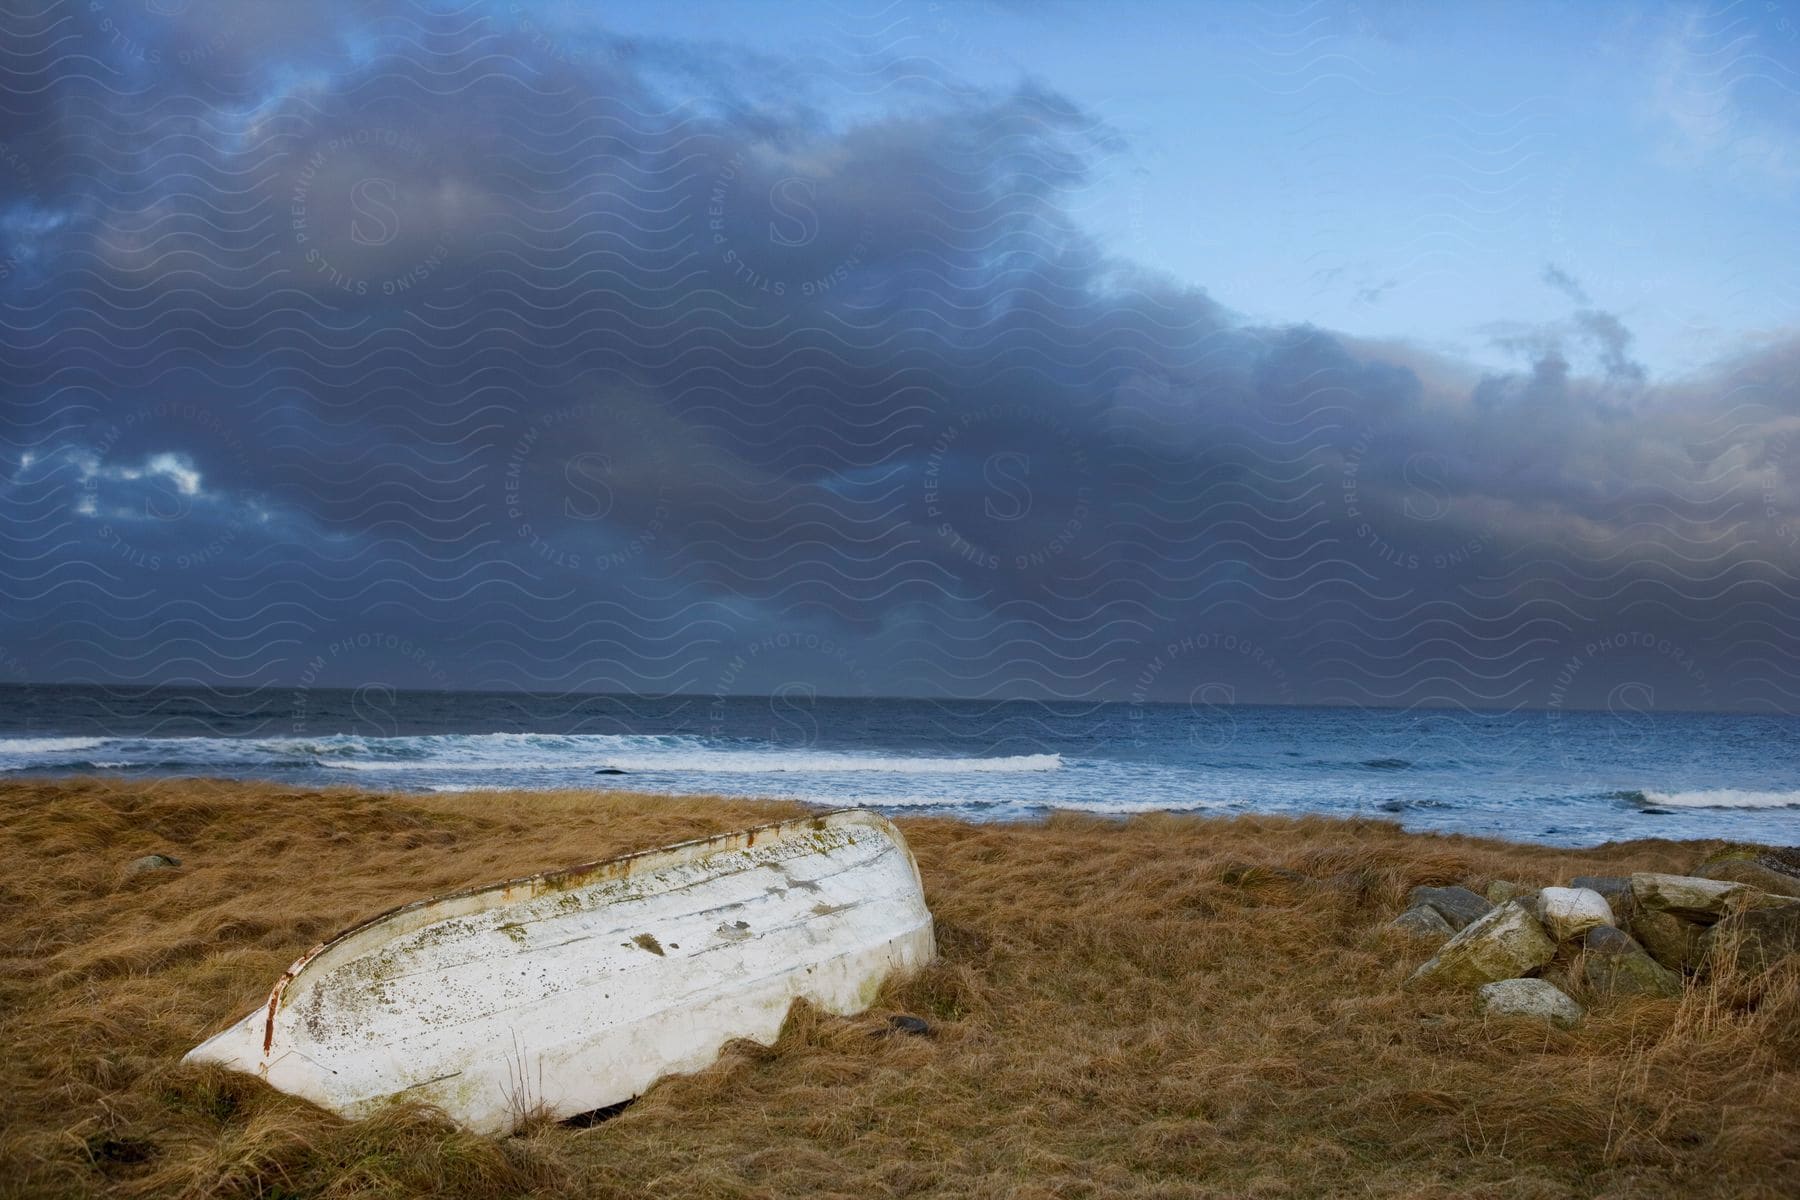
(357, 321)
(1565, 283)
(1612, 342)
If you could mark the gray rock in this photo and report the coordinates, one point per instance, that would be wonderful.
(1561, 970)
(1764, 870)
(1532, 998)
(1567, 913)
(1703, 900)
(152, 862)
(1671, 940)
(1501, 890)
(1613, 887)
(1423, 924)
(1457, 905)
(1617, 890)
(1760, 937)
(1505, 944)
(1614, 965)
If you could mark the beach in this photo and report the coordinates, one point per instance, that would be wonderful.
(1153, 1005)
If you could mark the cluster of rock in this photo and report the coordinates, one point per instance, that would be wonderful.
(1523, 949)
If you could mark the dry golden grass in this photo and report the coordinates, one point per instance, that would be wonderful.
(1164, 1007)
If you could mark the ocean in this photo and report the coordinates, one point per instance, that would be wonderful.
(1569, 778)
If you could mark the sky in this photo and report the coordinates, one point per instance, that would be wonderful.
(1343, 353)
(1399, 170)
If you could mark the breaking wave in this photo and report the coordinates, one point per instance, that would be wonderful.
(773, 761)
(16, 746)
(498, 752)
(1718, 798)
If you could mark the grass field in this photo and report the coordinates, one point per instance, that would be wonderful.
(1170, 1006)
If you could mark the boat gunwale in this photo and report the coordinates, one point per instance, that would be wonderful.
(563, 878)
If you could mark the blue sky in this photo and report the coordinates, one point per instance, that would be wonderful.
(1397, 170)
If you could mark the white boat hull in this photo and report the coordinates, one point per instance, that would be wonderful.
(574, 990)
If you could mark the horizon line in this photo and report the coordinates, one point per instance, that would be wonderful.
(1347, 705)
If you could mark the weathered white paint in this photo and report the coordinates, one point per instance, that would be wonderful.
(577, 989)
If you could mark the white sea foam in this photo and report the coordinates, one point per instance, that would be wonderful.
(39, 746)
(1723, 798)
(770, 762)
(700, 760)
(419, 746)
(510, 753)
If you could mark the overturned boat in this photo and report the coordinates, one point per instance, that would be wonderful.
(573, 990)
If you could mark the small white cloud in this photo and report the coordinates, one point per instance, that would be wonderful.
(177, 468)
(170, 468)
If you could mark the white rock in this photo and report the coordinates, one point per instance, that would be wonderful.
(1686, 895)
(1528, 998)
(1570, 912)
